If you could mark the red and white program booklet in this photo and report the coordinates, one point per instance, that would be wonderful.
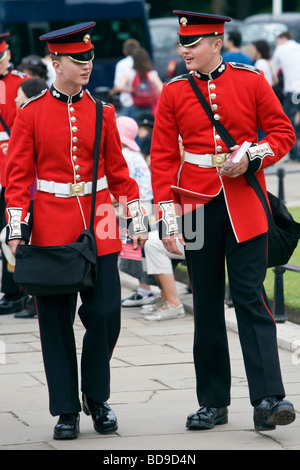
(127, 250)
(236, 155)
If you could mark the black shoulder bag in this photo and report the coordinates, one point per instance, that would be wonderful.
(284, 231)
(63, 269)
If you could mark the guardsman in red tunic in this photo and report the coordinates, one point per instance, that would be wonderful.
(54, 132)
(14, 299)
(221, 208)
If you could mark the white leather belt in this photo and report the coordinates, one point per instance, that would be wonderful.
(69, 189)
(207, 160)
(4, 136)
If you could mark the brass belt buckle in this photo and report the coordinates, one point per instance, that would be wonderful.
(77, 189)
(218, 160)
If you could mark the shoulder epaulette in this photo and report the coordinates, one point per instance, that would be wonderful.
(248, 67)
(33, 98)
(89, 95)
(92, 98)
(18, 73)
(178, 78)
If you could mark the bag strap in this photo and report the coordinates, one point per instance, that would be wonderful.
(222, 131)
(98, 132)
(230, 142)
(5, 126)
(261, 195)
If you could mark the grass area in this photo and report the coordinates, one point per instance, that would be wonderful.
(291, 280)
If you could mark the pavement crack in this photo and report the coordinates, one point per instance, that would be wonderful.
(14, 415)
(270, 438)
(152, 395)
(37, 379)
(162, 383)
(127, 363)
(171, 346)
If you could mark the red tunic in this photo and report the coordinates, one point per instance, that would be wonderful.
(244, 101)
(58, 137)
(9, 87)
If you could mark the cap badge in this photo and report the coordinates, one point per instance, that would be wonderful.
(183, 21)
(86, 38)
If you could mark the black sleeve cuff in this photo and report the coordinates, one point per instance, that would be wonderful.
(23, 235)
(256, 153)
(253, 166)
(168, 224)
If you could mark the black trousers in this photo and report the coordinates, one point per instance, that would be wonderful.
(246, 266)
(100, 315)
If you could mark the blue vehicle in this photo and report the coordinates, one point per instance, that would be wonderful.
(116, 21)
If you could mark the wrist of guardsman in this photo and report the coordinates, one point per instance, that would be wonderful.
(168, 224)
(256, 154)
(16, 229)
(138, 222)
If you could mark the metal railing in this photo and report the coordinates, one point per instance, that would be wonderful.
(279, 306)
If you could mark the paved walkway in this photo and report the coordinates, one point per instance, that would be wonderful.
(152, 382)
(153, 389)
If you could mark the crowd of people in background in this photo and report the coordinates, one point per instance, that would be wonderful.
(45, 136)
(257, 54)
(32, 76)
(135, 123)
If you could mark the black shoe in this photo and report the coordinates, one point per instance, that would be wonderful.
(104, 418)
(30, 311)
(26, 314)
(207, 417)
(269, 412)
(13, 304)
(67, 426)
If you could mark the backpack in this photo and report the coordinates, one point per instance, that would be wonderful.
(142, 92)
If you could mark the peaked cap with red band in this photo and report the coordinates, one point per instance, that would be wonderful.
(193, 26)
(73, 41)
(3, 45)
